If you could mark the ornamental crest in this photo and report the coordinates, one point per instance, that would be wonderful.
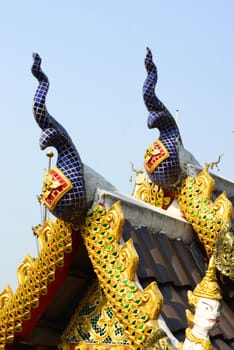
(55, 186)
(154, 155)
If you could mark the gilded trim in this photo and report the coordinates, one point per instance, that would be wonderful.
(207, 218)
(34, 277)
(115, 266)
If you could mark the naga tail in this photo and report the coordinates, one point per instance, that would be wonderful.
(39, 107)
(149, 96)
(159, 116)
(153, 104)
(41, 115)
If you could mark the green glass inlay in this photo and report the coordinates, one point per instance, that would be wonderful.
(120, 268)
(117, 277)
(141, 327)
(144, 318)
(132, 287)
(129, 296)
(125, 281)
(126, 306)
(122, 290)
(108, 247)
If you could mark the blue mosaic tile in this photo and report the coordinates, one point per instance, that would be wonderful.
(168, 172)
(72, 206)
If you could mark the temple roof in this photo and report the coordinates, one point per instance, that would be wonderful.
(177, 264)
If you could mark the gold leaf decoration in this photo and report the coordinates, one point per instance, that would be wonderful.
(34, 276)
(224, 253)
(115, 267)
(149, 192)
(207, 218)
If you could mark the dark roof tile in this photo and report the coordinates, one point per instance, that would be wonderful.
(177, 268)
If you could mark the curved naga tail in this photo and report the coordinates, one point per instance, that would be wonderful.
(159, 116)
(161, 159)
(42, 117)
(64, 188)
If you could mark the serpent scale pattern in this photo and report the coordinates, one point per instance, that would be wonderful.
(72, 206)
(168, 172)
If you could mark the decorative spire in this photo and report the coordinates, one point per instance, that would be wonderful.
(208, 287)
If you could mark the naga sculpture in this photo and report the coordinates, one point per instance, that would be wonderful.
(70, 187)
(165, 160)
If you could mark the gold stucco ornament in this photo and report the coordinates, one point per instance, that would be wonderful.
(150, 192)
(224, 252)
(34, 276)
(208, 218)
(115, 265)
(158, 340)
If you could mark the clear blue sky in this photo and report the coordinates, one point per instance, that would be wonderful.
(93, 53)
